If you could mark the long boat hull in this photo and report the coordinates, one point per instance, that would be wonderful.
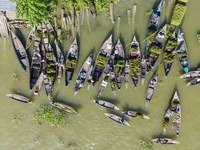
(151, 89)
(105, 104)
(193, 82)
(165, 141)
(102, 87)
(89, 77)
(191, 74)
(47, 86)
(45, 36)
(39, 83)
(117, 119)
(71, 63)
(19, 98)
(126, 74)
(20, 52)
(166, 120)
(135, 114)
(30, 37)
(143, 69)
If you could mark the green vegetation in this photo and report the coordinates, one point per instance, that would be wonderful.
(165, 122)
(168, 57)
(71, 63)
(49, 55)
(101, 61)
(64, 36)
(182, 53)
(139, 115)
(52, 35)
(45, 34)
(178, 14)
(36, 66)
(149, 13)
(176, 117)
(35, 11)
(91, 5)
(175, 104)
(29, 41)
(113, 83)
(155, 51)
(119, 66)
(150, 35)
(51, 71)
(47, 113)
(171, 44)
(146, 145)
(16, 120)
(133, 49)
(134, 67)
(89, 82)
(15, 78)
(38, 35)
(106, 78)
(198, 38)
(184, 1)
(169, 32)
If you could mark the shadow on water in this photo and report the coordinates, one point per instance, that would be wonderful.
(137, 109)
(19, 92)
(76, 106)
(115, 102)
(162, 135)
(117, 113)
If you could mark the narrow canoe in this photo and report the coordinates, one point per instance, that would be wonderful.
(51, 31)
(45, 35)
(39, 83)
(38, 36)
(166, 120)
(30, 37)
(191, 74)
(176, 113)
(169, 54)
(80, 81)
(105, 104)
(154, 24)
(51, 65)
(156, 48)
(193, 82)
(101, 60)
(143, 69)
(112, 81)
(117, 119)
(165, 141)
(134, 61)
(60, 62)
(119, 63)
(89, 77)
(47, 86)
(103, 85)
(64, 107)
(71, 62)
(126, 74)
(135, 114)
(19, 98)
(183, 52)
(151, 89)
(43, 58)
(20, 52)
(35, 66)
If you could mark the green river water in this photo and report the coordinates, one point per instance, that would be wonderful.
(92, 129)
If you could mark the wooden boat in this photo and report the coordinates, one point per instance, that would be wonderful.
(64, 107)
(117, 119)
(151, 89)
(103, 85)
(113, 81)
(51, 65)
(51, 31)
(38, 36)
(183, 52)
(35, 67)
(92, 8)
(198, 38)
(39, 83)
(156, 48)
(166, 120)
(45, 35)
(80, 81)
(101, 60)
(47, 86)
(43, 59)
(105, 104)
(193, 82)
(135, 114)
(153, 25)
(176, 113)
(191, 74)
(89, 77)
(126, 74)
(20, 52)
(60, 62)
(165, 141)
(71, 62)
(19, 98)
(134, 61)
(169, 53)
(143, 69)
(119, 63)
(30, 37)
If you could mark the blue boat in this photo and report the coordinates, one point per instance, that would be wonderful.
(154, 24)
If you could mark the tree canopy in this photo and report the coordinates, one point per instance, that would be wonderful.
(35, 11)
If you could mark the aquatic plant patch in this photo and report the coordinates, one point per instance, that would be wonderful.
(119, 66)
(71, 63)
(134, 67)
(150, 35)
(146, 145)
(101, 61)
(113, 83)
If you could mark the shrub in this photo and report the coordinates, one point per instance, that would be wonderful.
(178, 14)
(47, 113)
(101, 61)
(91, 5)
(150, 35)
(71, 63)
(119, 66)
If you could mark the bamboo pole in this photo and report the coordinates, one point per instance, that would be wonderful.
(111, 12)
(88, 21)
(129, 16)
(133, 15)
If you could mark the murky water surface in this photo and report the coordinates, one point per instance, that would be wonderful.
(92, 129)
